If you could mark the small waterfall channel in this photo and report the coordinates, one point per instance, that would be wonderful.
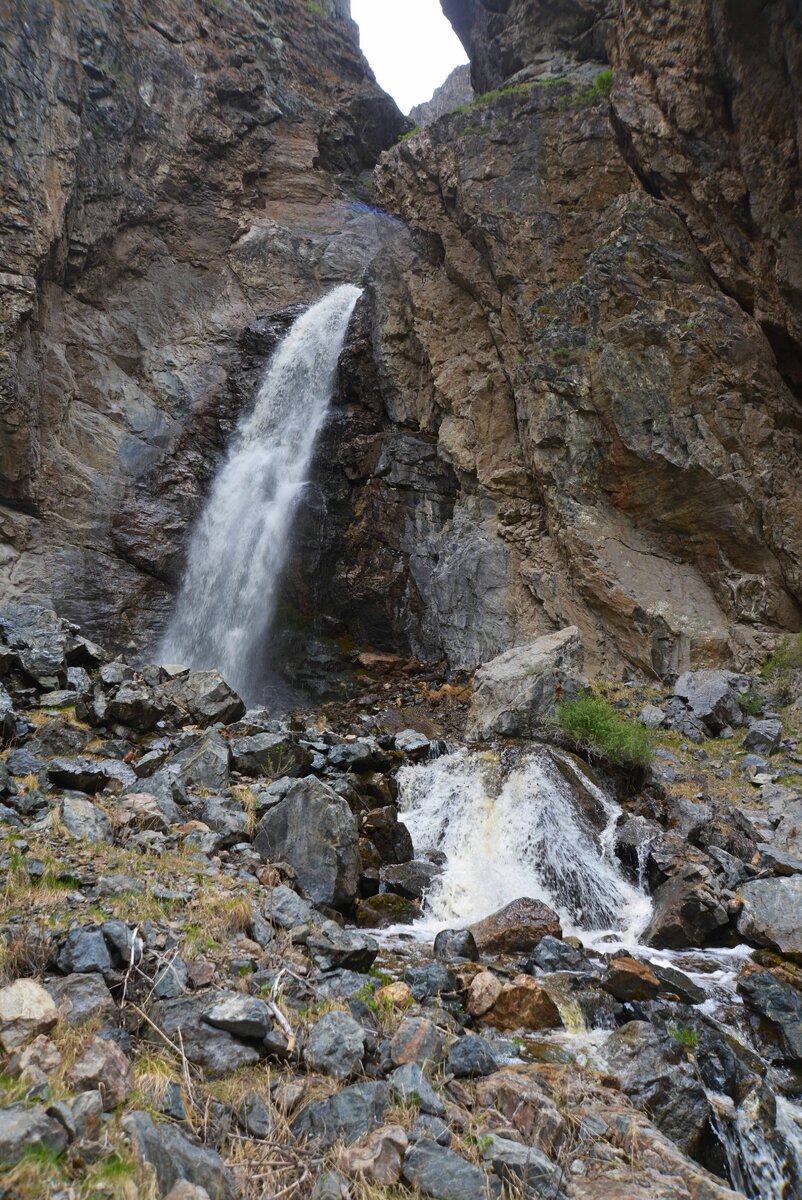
(239, 546)
(537, 825)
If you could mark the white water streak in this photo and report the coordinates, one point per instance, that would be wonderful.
(239, 546)
(521, 833)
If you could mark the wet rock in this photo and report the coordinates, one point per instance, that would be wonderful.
(336, 1046)
(763, 737)
(381, 912)
(350, 1114)
(174, 1157)
(242, 1016)
(654, 1071)
(390, 836)
(516, 928)
(26, 1010)
(205, 698)
(39, 637)
(678, 983)
(314, 830)
(436, 1171)
(471, 1055)
(412, 745)
(84, 821)
(28, 1131)
(410, 879)
(429, 980)
(417, 1040)
(772, 914)
(516, 693)
(553, 954)
(778, 1003)
(269, 754)
(712, 697)
(84, 952)
(379, 1157)
(102, 1067)
(629, 979)
(332, 947)
(524, 1004)
(455, 943)
(81, 998)
(409, 1084)
(483, 993)
(687, 908)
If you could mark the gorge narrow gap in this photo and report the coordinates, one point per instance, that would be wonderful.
(240, 543)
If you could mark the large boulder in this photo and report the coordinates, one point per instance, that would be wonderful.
(517, 693)
(687, 908)
(516, 928)
(713, 697)
(205, 698)
(174, 1157)
(269, 754)
(772, 914)
(779, 1003)
(314, 830)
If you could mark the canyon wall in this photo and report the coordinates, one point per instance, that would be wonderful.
(572, 389)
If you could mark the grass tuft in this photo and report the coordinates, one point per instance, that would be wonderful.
(596, 727)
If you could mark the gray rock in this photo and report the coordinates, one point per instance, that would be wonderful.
(255, 1117)
(89, 774)
(651, 716)
(135, 704)
(552, 954)
(332, 947)
(788, 834)
(210, 1047)
(763, 737)
(455, 943)
(286, 909)
(330, 1185)
(25, 1130)
(84, 821)
(21, 761)
(772, 914)
(314, 830)
(228, 819)
(438, 1172)
(686, 909)
(171, 979)
(269, 754)
(432, 1128)
(409, 1084)
(411, 879)
(242, 1016)
(357, 756)
(336, 1046)
(346, 1116)
(654, 1071)
(712, 697)
(8, 718)
(517, 693)
(778, 1003)
(39, 638)
(205, 697)
(779, 862)
(516, 1164)
(412, 744)
(430, 979)
(174, 1157)
(81, 998)
(471, 1055)
(85, 952)
(202, 764)
(679, 983)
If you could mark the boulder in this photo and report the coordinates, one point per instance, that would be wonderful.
(712, 697)
(410, 1085)
(39, 639)
(384, 911)
(433, 1170)
(84, 952)
(686, 909)
(286, 909)
(241, 1016)
(90, 774)
(516, 928)
(210, 1047)
(141, 810)
(135, 704)
(350, 1114)
(653, 1069)
(390, 837)
(471, 1055)
(412, 744)
(332, 947)
(628, 979)
(101, 1066)
(379, 1157)
(417, 1040)
(763, 737)
(84, 821)
(553, 954)
(204, 763)
(272, 755)
(26, 1010)
(81, 998)
(205, 698)
(524, 1004)
(772, 914)
(336, 1046)
(410, 879)
(29, 1131)
(175, 1158)
(455, 943)
(483, 993)
(518, 1165)
(314, 830)
(518, 692)
(8, 719)
(779, 1003)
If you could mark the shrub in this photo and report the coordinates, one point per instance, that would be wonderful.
(781, 667)
(688, 1038)
(595, 726)
(750, 703)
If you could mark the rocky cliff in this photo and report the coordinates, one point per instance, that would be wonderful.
(571, 393)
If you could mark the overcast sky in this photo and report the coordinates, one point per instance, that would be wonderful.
(410, 45)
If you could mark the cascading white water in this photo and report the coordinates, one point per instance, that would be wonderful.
(239, 546)
(520, 833)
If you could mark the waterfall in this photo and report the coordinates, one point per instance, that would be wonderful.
(539, 829)
(239, 545)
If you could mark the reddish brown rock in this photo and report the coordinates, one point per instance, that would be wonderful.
(629, 979)
(524, 1004)
(378, 1158)
(101, 1066)
(417, 1040)
(516, 928)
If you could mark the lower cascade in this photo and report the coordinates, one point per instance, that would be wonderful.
(239, 546)
(537, 827)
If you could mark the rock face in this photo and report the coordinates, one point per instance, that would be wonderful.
(456, 90)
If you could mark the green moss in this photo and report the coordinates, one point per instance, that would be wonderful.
(594, 725)
(688, 1038)
(411, 134)
(779, 669)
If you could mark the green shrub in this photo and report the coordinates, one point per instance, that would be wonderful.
(688, 1038)
(594, 725)
(780, 667)
(750, 704)
(410, 134)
